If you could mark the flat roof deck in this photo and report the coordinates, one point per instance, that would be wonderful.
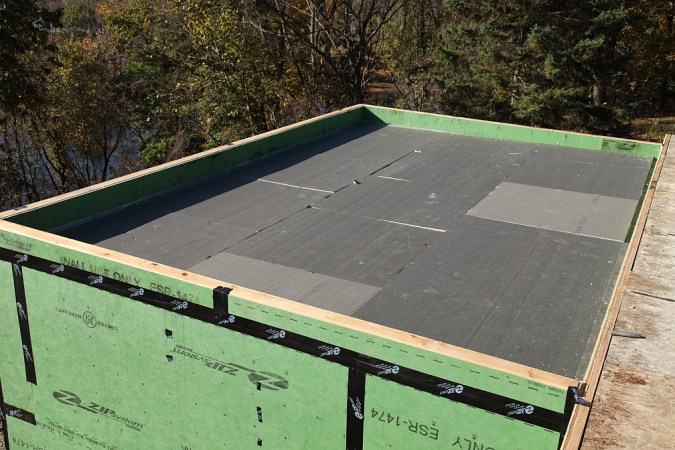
(506, 248)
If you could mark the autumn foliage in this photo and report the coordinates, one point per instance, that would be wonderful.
(90, 89)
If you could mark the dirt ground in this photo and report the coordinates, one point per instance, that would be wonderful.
(652, 128)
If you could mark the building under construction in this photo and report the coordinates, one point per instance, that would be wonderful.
(372, 278)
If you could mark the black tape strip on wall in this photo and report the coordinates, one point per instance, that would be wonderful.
(3, 419)
(24, 326)
(220, 304)
(7, 410)
(220, 315)
(113, 286)
(478, 398)
(436, 386)
(572, 399)
(18, 413)
(569, 407)
(356, 407)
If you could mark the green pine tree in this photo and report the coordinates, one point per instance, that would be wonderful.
(537, 62)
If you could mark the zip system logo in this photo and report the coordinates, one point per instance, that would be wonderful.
(357, 407)
(517, 409)
(387, 369)
(448, 388)
(71, 399)
(263, 380)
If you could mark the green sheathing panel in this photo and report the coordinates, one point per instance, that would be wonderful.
(508, 132)
(11, 351)
(116, 373)
(117, 194)
(400, 417)
(107, 267)
(107, 370)
(474, 375)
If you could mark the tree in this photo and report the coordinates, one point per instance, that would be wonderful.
(74, 135)
(85, 123)
(647, 85)
(333, 42)
(200, 74)
(408, 51)
(537, 62)
(26, 58)
(25, 53)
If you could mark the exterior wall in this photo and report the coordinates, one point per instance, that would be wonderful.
(509, 132)
(108, 351)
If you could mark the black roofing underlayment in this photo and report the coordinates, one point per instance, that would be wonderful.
(505, 248)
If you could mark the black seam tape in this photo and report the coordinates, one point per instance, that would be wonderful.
(356, 407)
(24, 327)
(219, 315)
(18, 413)
(7, 410)
(113, 286)
(471, 396)
(567, 415)
(220, 303)
(436, 386)
(3, 420)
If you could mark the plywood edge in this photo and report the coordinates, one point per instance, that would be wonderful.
(618, 419)
(591, 379)
(197, 156)
(308, 311)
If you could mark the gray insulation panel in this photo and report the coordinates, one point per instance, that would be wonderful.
(554, 209)
(323, 291)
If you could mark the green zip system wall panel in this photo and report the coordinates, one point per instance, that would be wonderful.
(95, 354)
(509, 132)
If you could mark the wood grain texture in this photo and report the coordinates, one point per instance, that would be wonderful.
(633, 398)
(632, 409)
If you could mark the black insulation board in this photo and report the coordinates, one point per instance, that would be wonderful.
(527, 295)
(387, 207)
